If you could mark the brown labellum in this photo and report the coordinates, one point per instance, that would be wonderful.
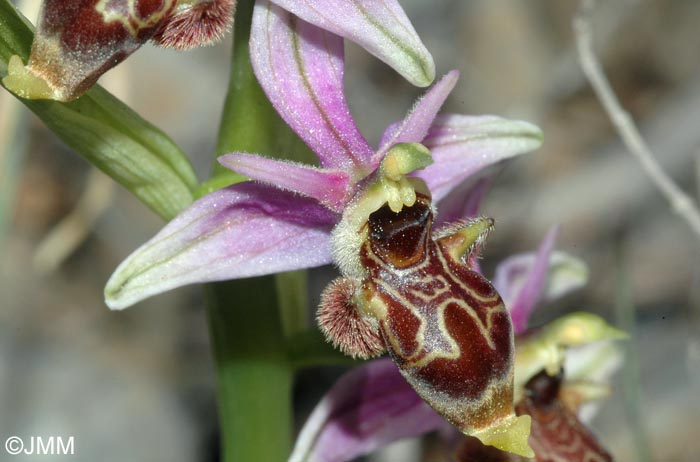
(444, 324)
(557, 433)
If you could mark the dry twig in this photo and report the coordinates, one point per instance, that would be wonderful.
(680, 202)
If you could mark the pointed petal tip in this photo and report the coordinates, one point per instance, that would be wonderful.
(113, 303)
(25, 83)
(511, 436)
(422, 75)
(382, 28)
(116, 307)
(449, 79)
(529, 131)
(117, 295)
(452, 75)
(419, 71)
(613, 333)
(416, 124)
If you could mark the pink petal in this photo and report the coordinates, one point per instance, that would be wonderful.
(462, 145)
(521, 291)
(300, 67)
(330, 187)
(565, 273)
(465, 201)
(244, 230)
(368, 408)
(414, 127)
(379, 26)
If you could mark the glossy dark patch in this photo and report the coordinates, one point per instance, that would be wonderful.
(400, 237)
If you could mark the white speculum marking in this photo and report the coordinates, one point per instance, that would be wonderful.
(441, 345)
(112, 11)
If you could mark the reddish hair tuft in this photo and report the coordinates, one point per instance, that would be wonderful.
(342, 323)
(201, 24)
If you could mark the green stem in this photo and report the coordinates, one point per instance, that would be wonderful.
(249, 122)
(254, 375)
(293, 301)
(253, 367)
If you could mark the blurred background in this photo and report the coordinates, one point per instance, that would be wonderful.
(139, 384)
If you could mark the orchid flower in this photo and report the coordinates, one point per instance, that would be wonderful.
(297, 216)
(283, 221)
(77, 42)
(370, 406)
(404, 289)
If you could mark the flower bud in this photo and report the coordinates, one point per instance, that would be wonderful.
(557, 433)
(78, 41)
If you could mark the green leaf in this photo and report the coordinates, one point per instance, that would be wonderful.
(218, 181)
(108, 133)
(15, 34)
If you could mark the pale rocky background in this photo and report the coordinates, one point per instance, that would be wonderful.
(138, 385)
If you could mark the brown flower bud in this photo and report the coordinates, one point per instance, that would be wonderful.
(557, 433)
(79, 40)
